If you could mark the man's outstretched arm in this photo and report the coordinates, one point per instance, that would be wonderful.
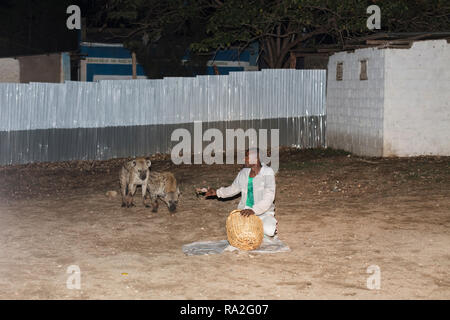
(226, 192)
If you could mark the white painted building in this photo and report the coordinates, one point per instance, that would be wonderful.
(399, 107)
(9, 70)
(52, 67)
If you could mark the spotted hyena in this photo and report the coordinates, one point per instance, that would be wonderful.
(163, 186)
(134, 173)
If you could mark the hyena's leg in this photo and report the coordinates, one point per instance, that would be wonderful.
(131, 192)
(144, 195)
(154, 204)
(123, 191)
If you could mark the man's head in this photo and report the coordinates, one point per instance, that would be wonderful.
(252, 158)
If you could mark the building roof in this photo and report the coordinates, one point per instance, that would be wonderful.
(399, 40)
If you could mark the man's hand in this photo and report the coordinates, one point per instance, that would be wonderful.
(210, 193)
(247, 212)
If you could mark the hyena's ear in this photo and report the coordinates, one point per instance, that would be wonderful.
(149, 163)
(133, 163)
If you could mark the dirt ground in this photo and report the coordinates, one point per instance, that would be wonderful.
(338, 213)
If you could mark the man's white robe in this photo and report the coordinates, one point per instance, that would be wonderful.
(263, 195)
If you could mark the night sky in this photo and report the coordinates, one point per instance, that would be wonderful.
(36, 26)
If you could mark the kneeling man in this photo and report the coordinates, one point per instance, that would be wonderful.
(256, 183)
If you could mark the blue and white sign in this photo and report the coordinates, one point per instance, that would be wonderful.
(107, 62)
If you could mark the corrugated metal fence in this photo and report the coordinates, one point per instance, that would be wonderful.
(114, 118)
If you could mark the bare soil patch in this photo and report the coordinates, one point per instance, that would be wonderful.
(338, 213)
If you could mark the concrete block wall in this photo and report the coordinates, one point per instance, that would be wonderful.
(403, 109)
(354, 106)
(9, 70)
(37, 68)
(417, 100)
(41, 68)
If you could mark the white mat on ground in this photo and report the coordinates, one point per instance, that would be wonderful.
(269, 245)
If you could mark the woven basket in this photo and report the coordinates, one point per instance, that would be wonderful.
(245, 233)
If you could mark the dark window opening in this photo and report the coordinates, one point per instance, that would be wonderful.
(339, 71)
(363, 70)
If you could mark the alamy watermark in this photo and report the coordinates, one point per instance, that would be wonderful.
(374, 281)
(74, 279)
(374, 21)
(214, 152)
(74, 20)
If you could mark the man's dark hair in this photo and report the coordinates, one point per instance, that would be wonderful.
(248, 150)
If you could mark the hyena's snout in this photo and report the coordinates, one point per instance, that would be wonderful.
(172, 206)
(143, 175)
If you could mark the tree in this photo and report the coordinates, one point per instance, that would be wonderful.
(160, 32)
(284, 25)
(278, 25)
